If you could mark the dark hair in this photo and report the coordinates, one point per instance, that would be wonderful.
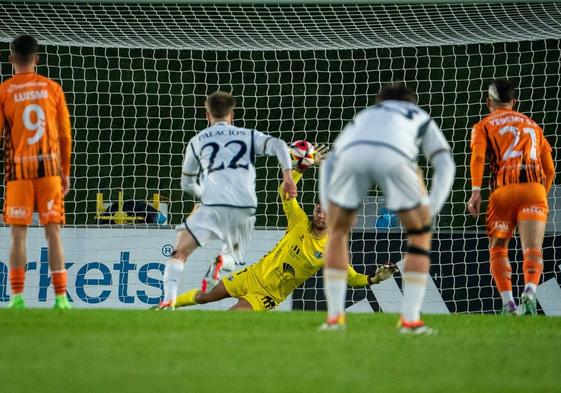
(220, 104)
(397, 92)
(24, 47)
(501, 90)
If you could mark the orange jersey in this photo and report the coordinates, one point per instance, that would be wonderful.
(36, 124)
(515, 147)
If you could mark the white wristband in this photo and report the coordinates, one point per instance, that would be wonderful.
(475, 188)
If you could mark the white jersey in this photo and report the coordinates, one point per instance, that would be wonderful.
(223, 156)
(398, 125)
(380, 146)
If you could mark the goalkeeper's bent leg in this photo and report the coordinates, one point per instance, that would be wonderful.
(195, 296)
(187, 298)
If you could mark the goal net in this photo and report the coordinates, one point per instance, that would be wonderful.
(136, 76)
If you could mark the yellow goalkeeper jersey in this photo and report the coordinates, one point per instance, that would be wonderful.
(297, 256)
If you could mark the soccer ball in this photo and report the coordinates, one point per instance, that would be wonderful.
(303, 154)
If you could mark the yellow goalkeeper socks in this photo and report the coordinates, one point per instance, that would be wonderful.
(187, 298)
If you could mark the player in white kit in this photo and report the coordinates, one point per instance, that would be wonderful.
(222, 158)
(380, 146)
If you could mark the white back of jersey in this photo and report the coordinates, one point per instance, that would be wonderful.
(225, 155)
(399, 125)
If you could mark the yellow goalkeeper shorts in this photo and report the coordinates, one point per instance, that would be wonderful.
(245, 285)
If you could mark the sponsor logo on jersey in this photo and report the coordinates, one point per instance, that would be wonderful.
(18, 212)
(502, 226)
(288, 268)
(533, 210)
(318, 254)
(268, 302)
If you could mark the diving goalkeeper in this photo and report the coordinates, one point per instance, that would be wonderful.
(296, 257)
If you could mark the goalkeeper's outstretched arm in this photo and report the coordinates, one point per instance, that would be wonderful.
(271, 146)
(357, 280)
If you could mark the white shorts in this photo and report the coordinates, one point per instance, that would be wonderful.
(233, 226)
(358, 168)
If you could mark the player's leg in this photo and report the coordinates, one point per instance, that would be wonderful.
(196, 296)
(501, 270)
(417, 223)
(346, 188)
(224, 262)
(18, 210)
(50, 205)
(242, 305)
(18, 259)
(532, 218)
(56, 264)
(406, 193)
(501, 219)
(337, 263)
(531, 236)
(184, 246)
(234, 229)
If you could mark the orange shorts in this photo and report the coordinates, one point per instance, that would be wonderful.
(22, 195)
(513, 203)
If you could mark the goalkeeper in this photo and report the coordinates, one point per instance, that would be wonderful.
(297, 256)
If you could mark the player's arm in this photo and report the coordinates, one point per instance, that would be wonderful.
(476, 167)
(292, 209)
(382, 273)
(437, 150)
(190, 172)
(547, 165)
(266, 145)
(65, 141)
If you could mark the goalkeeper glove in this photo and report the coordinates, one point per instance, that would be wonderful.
(383, 273)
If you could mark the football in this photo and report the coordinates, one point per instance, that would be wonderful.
(303, 154)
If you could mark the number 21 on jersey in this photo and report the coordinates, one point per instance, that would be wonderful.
(514, 151)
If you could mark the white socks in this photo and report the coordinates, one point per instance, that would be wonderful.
(414, 286)
(507, 297)
(335, 288)
(531, 286)
(172, 275)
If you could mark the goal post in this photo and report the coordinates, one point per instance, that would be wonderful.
(136, 74)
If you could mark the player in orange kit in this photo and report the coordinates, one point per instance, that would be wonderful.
(37, 147)
(522, 172)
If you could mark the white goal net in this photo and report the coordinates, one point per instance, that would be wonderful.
(136, 75)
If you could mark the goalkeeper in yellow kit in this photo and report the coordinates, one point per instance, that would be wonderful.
(296, 257)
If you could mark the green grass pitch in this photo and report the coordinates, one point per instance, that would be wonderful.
(196, 351)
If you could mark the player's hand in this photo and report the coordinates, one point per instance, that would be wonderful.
(474, 203)
(383, 273)
(321, 153)
(288, 186)
(65, 185)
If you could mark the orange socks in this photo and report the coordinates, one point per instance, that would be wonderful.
(532, 266)
(501, 269)
(59, 282)
(17, 279)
